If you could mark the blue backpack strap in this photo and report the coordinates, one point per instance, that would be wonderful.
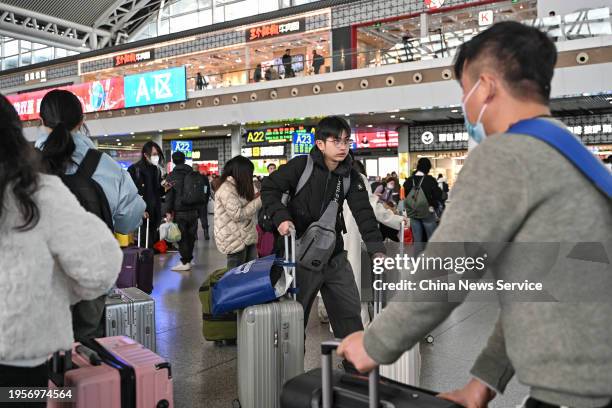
(569, 146)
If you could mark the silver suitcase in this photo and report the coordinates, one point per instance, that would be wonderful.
(407, 369)
(131, 312)
(270, 346)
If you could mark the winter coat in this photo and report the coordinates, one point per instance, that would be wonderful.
(310, 203)
(68, 256)
(235, 219)
(127, 208)
(174, 195)
(429, 187)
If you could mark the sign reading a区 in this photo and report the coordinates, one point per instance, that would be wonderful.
(149, 88)
(275, 30)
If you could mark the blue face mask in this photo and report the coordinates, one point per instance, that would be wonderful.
(475, 131)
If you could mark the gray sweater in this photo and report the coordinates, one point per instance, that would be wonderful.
(515, 188)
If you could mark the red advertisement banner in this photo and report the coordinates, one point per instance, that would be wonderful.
(95, 96)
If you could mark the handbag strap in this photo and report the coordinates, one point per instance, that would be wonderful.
(569, 146)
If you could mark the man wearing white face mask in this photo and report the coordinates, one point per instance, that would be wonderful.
(147, 176)
(561, 350)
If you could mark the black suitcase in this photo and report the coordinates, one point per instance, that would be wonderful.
(324, 388)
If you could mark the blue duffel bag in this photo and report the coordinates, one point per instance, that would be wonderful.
(251, 284)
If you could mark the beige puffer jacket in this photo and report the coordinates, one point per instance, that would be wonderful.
(235, 219)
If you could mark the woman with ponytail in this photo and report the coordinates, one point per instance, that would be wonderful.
(64, 144)
(54, 253)
(110, 192)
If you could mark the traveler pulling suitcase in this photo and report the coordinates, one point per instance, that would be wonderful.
(270, 345)
(325, 388)
(407, 368)
(115, 372)
(137, 268)
(131, 312)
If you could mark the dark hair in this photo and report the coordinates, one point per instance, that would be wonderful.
(288, 50)
(524, 55)
(271, 164)
(241, 170)
(148, 150)
(332, 126)
(61, 111)
(178, 157)
(424, 165)
(18, 167)
(440, 175)
(357, 165)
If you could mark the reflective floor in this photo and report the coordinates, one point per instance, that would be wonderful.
(205, 375)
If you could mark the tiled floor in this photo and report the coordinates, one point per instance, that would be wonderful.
(205, 375)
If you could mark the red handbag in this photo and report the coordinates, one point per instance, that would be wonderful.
(161, 246)
(408, 238)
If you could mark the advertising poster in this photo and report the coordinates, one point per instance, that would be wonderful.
(95, 96)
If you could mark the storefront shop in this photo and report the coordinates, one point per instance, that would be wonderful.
(445, 145)
(595, 132)
(229, 57)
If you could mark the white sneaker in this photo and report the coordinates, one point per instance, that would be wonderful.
(182, 267)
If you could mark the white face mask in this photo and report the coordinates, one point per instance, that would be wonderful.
(390, 186)
(154, 160)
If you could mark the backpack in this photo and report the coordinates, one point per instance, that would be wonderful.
(87, 191)
(416, 204)
(194, 191)
(264, 219)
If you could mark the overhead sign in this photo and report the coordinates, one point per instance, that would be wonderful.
(283, 134)
(485, 18)
(433, 4)
(275, 30)
(133, 58)
(263, 151)
(150, 88)
(95, 96)
(185, 146)
(303, 143)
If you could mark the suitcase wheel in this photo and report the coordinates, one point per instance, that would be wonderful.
(163, 404)
(236, 404)
(429, 339)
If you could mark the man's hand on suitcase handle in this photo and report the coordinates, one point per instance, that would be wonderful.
(353, 350)
(474, 394)
(285, 227)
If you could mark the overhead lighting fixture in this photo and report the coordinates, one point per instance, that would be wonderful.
(370, 126)
(229, 134)
(105, 135)
(402, 118)
(455, 111)
(131, 133)
(119, 144)
(160, 131)
(118, 140)
(225, 124)
(347, 114)
(203, 131)
(392, 116)
(181, 135)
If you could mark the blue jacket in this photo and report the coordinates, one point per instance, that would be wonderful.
(127, 207)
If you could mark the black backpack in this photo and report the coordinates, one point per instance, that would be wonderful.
(87, 190)
(194, 192)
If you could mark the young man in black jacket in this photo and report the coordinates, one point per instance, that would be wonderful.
(186, 217)
(331, 164)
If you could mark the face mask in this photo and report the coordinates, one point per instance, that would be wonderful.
(154, 160)
(475, 131)
(390, 186)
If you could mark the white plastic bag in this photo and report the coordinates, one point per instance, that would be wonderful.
(170, 232)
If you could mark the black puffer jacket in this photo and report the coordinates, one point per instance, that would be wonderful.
(174, 195)
(308, 206)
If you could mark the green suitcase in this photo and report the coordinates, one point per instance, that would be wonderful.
(220, 329)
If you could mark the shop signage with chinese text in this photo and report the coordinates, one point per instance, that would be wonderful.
(133, 58)
(275, 30)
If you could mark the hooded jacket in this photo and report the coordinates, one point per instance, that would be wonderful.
(310, 203)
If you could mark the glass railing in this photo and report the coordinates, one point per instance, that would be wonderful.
(577, 25)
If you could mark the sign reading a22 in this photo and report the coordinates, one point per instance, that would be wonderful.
(183, 146)
(256, 137)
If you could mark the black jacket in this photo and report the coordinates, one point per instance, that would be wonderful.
(308, 206)
(174, 195)
(147, 178)
(430, 188)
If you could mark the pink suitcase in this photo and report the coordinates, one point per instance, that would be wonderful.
(115, 372)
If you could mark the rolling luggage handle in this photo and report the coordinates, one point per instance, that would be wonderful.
(378, 296)
(290, 260)
(326, 377)
(146, 234)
